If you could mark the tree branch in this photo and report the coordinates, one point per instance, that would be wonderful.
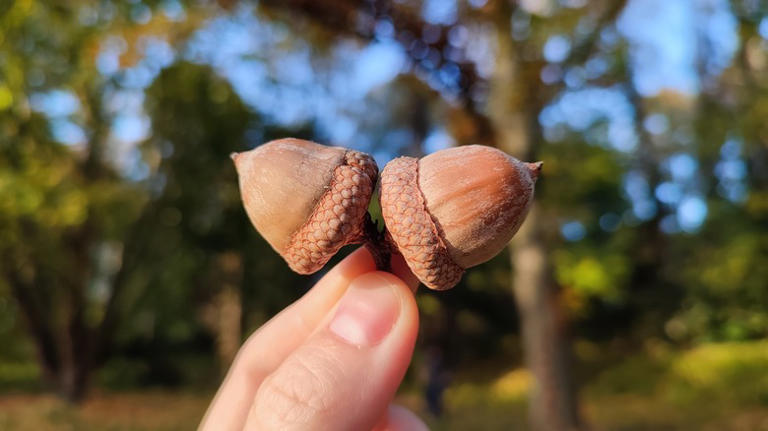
(586, 47)
(358, 18)
(37, 322)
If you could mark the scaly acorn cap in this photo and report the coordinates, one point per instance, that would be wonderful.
(307, 200)
(454, 209)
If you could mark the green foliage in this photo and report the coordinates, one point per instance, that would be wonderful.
(721, 373)
(197, 121)
(592, 273)
(580, 179)
(725, 278)
(15, 376)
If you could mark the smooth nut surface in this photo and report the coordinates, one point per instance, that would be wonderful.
(281, 182)
(478, 196)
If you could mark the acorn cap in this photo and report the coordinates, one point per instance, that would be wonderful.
(307, 200)
(410, 227)
(454, 209)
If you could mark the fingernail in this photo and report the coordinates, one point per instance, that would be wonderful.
(367, 311)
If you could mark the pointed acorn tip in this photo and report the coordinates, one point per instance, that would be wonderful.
(534, 169)
(233, 155)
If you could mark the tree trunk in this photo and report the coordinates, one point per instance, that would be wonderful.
(228, 331)
(547, 351)
(38, 326)
(73, 379)
(226, 312)
(64, 357)
(514, 106)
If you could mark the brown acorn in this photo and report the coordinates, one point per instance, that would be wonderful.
(454, 209)
(307, 200)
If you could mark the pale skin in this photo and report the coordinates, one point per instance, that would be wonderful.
(330, 361)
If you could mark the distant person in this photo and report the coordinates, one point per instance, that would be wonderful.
(437, 381)
(330, 361)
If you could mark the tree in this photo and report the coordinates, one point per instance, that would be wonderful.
(63, 203)
(74, 223)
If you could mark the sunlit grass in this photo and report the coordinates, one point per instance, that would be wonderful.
(712, 387)
(728, 372)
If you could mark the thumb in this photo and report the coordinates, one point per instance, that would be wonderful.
(344, 376)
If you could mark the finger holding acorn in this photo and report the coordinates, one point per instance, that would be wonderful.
(446, 212)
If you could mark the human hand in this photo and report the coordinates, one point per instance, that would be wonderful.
(330, 361)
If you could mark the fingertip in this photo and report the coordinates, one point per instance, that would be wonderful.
(380, 278)
(359, 259)
(377, 278)
(408, 319)
(358, 262)
(401, 269)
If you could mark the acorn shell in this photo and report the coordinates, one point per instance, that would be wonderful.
(307, 200)
(454, 209)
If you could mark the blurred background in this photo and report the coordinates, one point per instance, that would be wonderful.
(634, 298)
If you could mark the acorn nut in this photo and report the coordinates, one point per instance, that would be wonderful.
(444, 213)
(454, 209)
(307, 200)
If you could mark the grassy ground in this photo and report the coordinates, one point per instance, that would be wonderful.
(169, 411)
(712, 388)
(135, 411)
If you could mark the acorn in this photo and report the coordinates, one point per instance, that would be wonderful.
(454, 209)
(307, 200)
